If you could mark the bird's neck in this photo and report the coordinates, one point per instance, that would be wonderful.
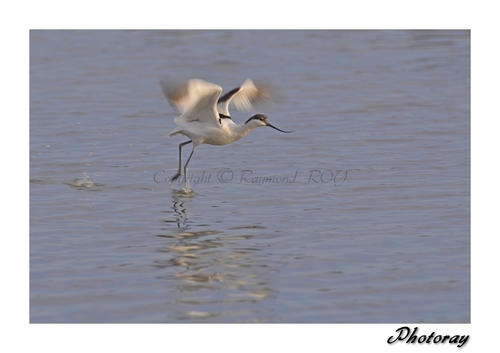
(241, 131)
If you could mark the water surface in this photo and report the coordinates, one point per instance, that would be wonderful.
(361, 215)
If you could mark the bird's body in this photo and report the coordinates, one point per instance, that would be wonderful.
(205, 117)
(228, 132)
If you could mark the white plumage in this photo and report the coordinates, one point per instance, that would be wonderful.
(205, 114)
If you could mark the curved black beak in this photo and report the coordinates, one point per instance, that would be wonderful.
(275, 128)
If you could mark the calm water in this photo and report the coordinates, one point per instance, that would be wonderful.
(361, 215)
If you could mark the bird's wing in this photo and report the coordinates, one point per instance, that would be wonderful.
(196, 100)
(243, 97)
(177, 93)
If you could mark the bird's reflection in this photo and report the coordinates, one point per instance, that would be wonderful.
(179, 208)
(212, 266)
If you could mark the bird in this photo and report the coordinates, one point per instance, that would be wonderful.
(205, 117)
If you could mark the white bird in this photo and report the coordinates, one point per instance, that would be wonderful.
(205, 114)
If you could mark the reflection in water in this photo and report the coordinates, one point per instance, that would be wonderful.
(210, 271)
(179, 210)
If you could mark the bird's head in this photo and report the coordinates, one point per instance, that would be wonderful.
(261, 120)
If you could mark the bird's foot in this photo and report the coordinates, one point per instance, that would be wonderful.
(187, 190)
(175, 177)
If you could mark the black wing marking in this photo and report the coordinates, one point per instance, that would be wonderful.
(222, 116)
(226, 97)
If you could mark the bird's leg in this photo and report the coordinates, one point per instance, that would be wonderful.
(186, 167)
(179, 173)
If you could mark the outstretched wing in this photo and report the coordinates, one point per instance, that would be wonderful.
(195, 99)
(243, 97)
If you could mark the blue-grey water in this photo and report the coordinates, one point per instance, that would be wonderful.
(362, 214)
